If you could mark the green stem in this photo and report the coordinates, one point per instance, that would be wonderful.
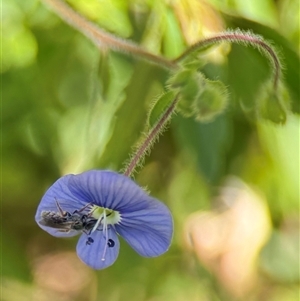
(235, 37)
(242, 38)
(151, 137)
(103, 39)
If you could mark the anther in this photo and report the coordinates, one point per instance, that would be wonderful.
(89, 241)
(110, 243)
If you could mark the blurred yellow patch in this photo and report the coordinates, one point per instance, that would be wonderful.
(198, 20)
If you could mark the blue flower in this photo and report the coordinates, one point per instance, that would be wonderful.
(102, 205)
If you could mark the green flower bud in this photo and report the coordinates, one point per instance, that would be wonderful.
(211, 102)
(189, 83)
(273, 104)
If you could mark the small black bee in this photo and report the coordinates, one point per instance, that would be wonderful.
(65, 221)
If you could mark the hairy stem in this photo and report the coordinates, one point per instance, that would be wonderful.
(245, 38)
(234, 37)
(102, 38)
(151, 137)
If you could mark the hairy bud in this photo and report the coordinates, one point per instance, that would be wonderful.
(211, 102)
(189, 83)
(273, 104)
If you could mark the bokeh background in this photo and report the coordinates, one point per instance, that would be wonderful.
(231, 184)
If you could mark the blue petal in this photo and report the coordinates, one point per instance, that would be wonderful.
(58, 191)
(92, 254)
(146, 224)
(149, 232)
(110, 190)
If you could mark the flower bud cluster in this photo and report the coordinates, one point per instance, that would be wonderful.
(199, 97)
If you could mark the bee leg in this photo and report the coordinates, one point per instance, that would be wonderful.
(82, 209)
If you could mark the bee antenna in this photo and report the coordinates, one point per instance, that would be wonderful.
(62, 213)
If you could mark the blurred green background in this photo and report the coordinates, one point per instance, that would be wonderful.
(232, 184)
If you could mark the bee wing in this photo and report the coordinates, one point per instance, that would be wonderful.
(62, 225)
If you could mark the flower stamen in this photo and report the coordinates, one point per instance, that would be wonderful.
(111, 216)
(105, 233)
(97, 224)
(105, 217)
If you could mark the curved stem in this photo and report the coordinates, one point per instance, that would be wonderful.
(151, 136)
(239, 37)
(235, 37)
(102, 38)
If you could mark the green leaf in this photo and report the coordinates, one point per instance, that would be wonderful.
(159, 107)
(280, 257)
(132, 114)
(208, 143)
(173, 41)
